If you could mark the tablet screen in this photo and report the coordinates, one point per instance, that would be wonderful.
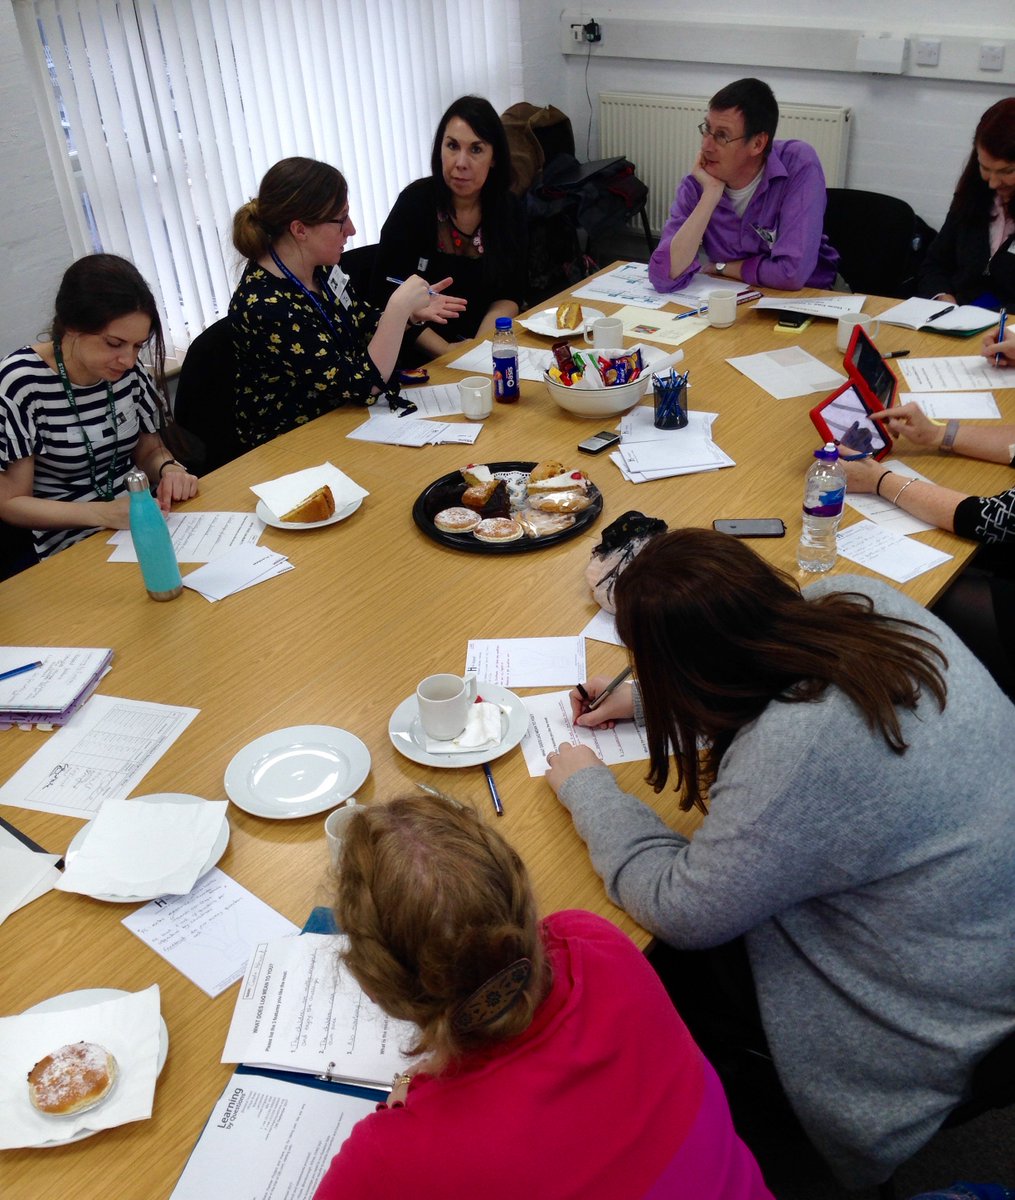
(848, 410)
(870, 366)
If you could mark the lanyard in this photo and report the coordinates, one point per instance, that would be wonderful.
(308, 293)
(106, 493)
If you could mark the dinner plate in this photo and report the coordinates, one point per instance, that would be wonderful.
(297, 772)
(269, 518)
(217, 850)
(408, 738)
(434, 498)
(545, 323)
(83, 999)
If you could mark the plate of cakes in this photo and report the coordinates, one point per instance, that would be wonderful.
(507, 507)
(569, 320)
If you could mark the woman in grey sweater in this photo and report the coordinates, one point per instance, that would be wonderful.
(856, 778)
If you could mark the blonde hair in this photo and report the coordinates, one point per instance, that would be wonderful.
(435, 904)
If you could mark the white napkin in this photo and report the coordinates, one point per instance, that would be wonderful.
(286, 492)
(482, 730)
(144, 848)
(127, 1026)
(25, 875)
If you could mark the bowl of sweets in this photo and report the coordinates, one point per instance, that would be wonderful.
(597, 383)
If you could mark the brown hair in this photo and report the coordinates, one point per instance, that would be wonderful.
(717, 634)
(435, 903)
(995, 133)
(295, 189)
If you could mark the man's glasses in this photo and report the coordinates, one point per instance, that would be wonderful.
(720, 138)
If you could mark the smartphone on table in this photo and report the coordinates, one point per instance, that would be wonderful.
(599, 442)
(751, 527)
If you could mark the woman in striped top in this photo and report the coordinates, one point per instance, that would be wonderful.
(77, 412)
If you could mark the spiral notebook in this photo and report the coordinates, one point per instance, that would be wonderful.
(52, 692)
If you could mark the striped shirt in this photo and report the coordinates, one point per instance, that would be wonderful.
(36, 421)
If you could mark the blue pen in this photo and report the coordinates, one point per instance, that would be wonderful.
(1000, 335)
(691, 313)
(498, 808)
(392, 279)
(20, 670)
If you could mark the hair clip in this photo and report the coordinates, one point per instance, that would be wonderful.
(493, 998)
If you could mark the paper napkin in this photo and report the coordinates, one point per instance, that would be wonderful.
(482, 731)
(284, 493)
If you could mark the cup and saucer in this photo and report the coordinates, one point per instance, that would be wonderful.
(409, 737)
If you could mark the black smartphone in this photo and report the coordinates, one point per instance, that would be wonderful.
(751, 527)
(599, 442)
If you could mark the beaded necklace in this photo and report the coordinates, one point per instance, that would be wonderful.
(458, 238)
(107, 492)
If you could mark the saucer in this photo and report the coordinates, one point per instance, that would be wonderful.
(217, 850)
(408, 738)
(297, 772)
(545, 323)
(269, 518)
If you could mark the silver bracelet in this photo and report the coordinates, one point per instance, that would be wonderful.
(898, 494)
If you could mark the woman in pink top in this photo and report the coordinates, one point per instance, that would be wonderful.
(551, 1063)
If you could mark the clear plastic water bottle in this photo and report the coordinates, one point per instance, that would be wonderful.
(824, 493)
(154, 546)
(505, 362)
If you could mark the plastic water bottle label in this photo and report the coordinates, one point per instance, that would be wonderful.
(829, 503)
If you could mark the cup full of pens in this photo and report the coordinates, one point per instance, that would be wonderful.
(670, 397)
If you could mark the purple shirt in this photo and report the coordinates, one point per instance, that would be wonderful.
(779, 237)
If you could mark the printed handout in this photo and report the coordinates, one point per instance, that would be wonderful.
(527, 662)
(550, 725)
(197, 537)
(788, 372)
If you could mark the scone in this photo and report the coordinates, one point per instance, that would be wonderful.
(318, 506)
(498, 529)
(457, 520)
(72, 1079)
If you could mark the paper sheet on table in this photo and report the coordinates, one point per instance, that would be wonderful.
(209, 934)
(298, 1009)
(286, 492)
(666, 327)
(695, 452)
(626, 284)
(963, 406)
(104, 750)
(960, 373)
(889, 553)
(882, 512)
(637, 426)
(240, 568)
(722, 460)
(437, 400)
(390, 429)
(550, 725)
(197, 537)
(25, 875)
(788, 372)
(603, 628)
(267, 1138)
(527, 662)
(479, 361)
(815, 306)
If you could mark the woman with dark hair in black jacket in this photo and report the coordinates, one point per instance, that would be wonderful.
(462, 221)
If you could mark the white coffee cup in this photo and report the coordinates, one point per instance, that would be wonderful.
(444, 702)
(476, 394)
(722, 309)
(335, 825)
(844, 329)
(605, 333)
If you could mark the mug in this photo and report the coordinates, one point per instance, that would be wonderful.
(476, 394)
(334, 827)
(604, 333)
(722, 309)
(444, 702)
(844, 329)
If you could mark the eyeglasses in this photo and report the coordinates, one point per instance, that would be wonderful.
(720, 138)
(340, 221)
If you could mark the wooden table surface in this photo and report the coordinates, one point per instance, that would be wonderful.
(371, 607)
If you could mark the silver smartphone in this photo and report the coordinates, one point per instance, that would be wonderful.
(599, 442)
(751, 527)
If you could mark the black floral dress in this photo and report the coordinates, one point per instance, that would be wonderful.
(292, 365)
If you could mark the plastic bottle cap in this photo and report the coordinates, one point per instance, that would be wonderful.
(829, 452)
(503, 322)
(137, 480)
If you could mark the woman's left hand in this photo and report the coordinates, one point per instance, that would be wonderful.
(862, 474)
(175, 485)
(440, 308)
(566, 760)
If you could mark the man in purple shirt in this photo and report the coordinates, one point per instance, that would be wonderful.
(752, 208)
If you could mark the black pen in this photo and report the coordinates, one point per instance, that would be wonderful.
(897, 354)
(943, 312)
(498, 808)
(583, 693)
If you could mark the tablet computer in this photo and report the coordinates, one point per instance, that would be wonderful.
(871, 386)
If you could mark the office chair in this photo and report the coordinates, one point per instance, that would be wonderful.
(880, 239)
(205, 396)
(358, 264)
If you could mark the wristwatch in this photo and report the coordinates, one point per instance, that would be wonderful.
(948, 441)
(720, 268)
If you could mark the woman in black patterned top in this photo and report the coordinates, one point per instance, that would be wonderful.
(305, 343)
(77, 412)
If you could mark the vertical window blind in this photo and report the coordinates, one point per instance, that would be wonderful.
(161, 116)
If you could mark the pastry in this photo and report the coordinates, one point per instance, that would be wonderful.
(498, 529)
(457, 520)
(542, 524)
(546, 470)
(318, 506)
(476, 473)
(488, 499)
(560, 501)
(72, 1079)
(562, 482)
(569, 315)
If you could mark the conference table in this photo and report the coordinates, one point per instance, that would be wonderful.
(371, 607)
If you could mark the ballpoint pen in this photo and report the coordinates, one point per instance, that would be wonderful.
(392, 279)
(498, 808)
(897, 354)
(943, 312)
(1000, 335)
(693, 312)
(20, 670)
(610, 687)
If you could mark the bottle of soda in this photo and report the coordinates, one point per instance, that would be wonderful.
(505, 362)
(824, 493)
(154, 546)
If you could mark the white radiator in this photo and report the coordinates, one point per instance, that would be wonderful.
(659, 135)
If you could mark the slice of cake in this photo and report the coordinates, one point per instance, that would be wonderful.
(318, 506)
(569, 315)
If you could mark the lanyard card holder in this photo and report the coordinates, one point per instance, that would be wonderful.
(872, 386)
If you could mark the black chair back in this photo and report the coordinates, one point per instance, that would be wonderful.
(205, 395)
(358, 264)
(880, 239)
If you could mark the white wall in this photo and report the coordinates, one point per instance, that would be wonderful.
(909, 137)
(34, 246)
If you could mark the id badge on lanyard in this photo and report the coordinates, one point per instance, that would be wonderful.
(338, 281)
